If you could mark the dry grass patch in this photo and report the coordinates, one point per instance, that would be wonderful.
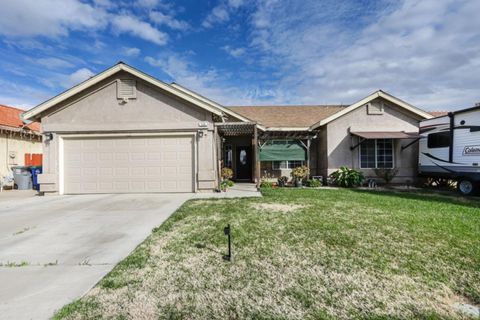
(278, 207)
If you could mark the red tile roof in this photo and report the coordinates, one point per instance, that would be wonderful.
(288, 116)
(10, 117)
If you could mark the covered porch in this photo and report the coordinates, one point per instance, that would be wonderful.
(255, 153)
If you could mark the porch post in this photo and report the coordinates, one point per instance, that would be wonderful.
(257, 155)
(218, 155)
(308, 153)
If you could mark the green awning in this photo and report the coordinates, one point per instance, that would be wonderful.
(282, 150)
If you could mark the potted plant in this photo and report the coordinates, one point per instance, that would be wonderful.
(299, 174)
(282, 181)
(227, 174)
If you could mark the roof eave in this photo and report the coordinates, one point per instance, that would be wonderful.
(206, 100)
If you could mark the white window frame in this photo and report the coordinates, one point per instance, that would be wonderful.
(376, 155)
(286, 167)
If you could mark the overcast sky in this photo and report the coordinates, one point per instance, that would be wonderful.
(426, 52)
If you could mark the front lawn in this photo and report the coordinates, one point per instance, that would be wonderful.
(317, 254)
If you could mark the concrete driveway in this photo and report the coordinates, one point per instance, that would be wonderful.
(54, 249)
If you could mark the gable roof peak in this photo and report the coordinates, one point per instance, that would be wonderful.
(34, 113)
(377, 94)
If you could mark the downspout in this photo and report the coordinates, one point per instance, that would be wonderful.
(451, 115)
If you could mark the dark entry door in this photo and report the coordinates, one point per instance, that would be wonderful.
(244, 163)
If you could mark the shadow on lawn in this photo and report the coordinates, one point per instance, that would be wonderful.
(470, 202)
(204, 246)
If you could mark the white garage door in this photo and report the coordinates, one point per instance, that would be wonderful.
(128, 165)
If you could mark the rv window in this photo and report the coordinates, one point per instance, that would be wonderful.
(438, 140)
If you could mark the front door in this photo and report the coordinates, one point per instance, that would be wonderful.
(243, 168)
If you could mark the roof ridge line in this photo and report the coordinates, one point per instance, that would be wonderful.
(10, 107)
(292, 105)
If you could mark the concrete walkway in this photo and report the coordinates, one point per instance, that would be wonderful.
(54, 249)
(239, 190)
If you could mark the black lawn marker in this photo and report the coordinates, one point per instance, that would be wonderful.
(226, 231)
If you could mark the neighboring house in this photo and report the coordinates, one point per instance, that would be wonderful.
(123, 131)
(16, 139)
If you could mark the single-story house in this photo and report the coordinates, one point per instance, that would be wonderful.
(17, 140)
(123, 131)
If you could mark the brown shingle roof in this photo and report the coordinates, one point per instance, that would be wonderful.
(287, 116)
(438, 113)
(10, 117)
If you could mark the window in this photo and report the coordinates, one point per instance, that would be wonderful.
(243, 157)
(228, 156)
(376, 153)
(287, 164)
(438, 140)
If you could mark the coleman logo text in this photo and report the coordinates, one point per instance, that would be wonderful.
(471, 151)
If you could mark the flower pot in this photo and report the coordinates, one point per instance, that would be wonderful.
(298, 183)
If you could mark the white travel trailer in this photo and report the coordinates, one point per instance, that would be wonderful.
(450, 148)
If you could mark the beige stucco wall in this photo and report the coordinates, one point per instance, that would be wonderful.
(98, 111)
(394, 118)
(18, 145)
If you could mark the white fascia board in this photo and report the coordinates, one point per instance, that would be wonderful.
(377, 94)
(405, 105)
(206, 100)
(345, 111)
(170, 89)
(29, 115)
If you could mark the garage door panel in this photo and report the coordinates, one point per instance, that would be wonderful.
(128, 165)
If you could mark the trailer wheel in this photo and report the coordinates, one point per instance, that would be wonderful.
(466, 187)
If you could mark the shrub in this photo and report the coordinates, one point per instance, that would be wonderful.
(266, 185)
(227, 173)
(300, 173)
(386, 174)
(347, 178)
(226, 184)
(313, 183)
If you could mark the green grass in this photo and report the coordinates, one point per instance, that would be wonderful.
(13, 264)
(314, 254)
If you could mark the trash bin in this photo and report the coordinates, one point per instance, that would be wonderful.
(22, 177)
(35, 170)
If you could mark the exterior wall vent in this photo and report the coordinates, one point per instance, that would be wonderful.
(375, 108)
(126, 89)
